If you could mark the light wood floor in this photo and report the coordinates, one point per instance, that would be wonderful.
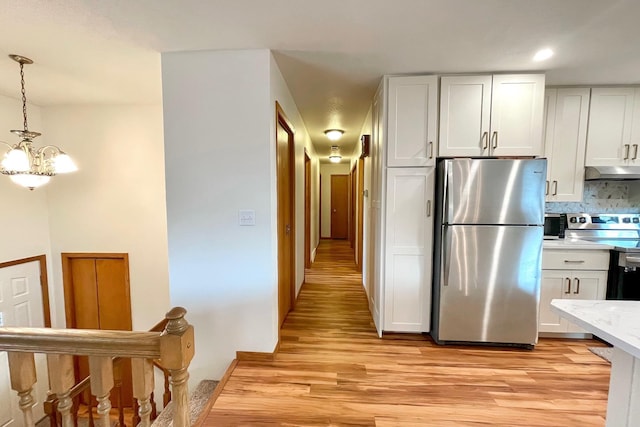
(333, 370)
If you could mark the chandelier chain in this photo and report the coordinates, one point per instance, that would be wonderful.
(24, 97)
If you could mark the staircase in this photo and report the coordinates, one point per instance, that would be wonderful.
(198, 399)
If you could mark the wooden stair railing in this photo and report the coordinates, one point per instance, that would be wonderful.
(173, 347)
(51, 404)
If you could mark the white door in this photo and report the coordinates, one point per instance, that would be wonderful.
(587, 285)
(554, 285)
(408, 243)
(517, 108)
(610, 119)
(465, 108)
(21, 305)
(565, 143)
(413, 121)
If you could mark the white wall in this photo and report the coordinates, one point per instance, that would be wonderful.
(116, 201)
(280, 93)
(326, 170)
(219, 159)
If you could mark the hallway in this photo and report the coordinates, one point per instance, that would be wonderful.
(332, 369)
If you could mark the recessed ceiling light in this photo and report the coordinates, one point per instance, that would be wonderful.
(543, 54)
(334, 134)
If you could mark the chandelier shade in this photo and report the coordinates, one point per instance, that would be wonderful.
(25, 164)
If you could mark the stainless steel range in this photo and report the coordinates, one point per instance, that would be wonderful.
(622, 231)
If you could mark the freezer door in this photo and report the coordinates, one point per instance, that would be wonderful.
(490, 284)
(494, 191)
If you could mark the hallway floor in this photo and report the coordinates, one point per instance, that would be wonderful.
(333, 370)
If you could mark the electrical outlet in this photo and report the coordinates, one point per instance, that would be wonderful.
(247, 217)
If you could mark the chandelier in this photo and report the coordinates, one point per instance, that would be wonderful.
(26, 165)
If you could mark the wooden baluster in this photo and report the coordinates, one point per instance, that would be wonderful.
(143, 383)
(22, 369)
(176, 352)
(154, 410)
(117, 376)
(166, 396)
(101, 371)
(50, 409)
(92, 422)
(61, 379)
(135, 419)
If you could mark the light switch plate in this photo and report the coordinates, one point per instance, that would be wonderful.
(247, 217)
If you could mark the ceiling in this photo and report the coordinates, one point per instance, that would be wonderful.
(332, 53)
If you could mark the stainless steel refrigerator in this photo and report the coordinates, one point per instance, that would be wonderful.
(488, 254)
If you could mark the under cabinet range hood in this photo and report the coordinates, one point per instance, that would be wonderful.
(612, 172)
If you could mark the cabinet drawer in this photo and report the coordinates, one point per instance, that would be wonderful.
(575, 260)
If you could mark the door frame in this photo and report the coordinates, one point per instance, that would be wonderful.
(69, 297)
(352, 209)
(360, 214)
(281, 118)
(307, 209)
(44, 282)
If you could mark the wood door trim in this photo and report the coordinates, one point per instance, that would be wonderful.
(352, 209)
(307, 210)
(44, 282)
(281, 117)
(360, 215)
(69, 297)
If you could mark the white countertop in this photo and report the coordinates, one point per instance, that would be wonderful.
(574, 244)
(617, 322)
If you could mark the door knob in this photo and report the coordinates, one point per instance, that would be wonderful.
(287, 229)
(335, 210)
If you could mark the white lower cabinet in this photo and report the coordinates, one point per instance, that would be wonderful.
(587, 281)
(408, 249)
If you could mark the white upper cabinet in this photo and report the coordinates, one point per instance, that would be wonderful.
(567, 112)
(412, 121)
(498, 115)
(614, 127)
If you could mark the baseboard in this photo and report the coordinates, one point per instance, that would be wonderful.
(571, 335)
(313, 254)
(216, 393)
(258, 356)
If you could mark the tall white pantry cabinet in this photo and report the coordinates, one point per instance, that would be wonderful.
(405, 122)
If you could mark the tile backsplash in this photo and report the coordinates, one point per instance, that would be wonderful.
(601, 197)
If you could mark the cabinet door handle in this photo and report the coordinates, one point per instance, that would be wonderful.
(494, 139)
(546, 188)
(431, 149)
(635, 152)
(626, 151)
(485, 140)
(555, 188)
(568, 291)
(428, 208)
(574, 261)
(577, 291)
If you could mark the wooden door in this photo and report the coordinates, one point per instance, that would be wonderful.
(286, 245)
(307, 210)
(413, 120)
(339, 206)
(352, 209)
(465, 108)
(22, 303)
(517, 108)
(96, 288)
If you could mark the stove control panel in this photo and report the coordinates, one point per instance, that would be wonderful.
(603, 221)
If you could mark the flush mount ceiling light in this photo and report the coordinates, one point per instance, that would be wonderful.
(334, 157)
(543, 55)
(25, 164)
(334, 134)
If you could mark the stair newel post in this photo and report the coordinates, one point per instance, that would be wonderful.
(176, 352)
(61, 380)
(22, 369)
(143, 383)
(101, 371)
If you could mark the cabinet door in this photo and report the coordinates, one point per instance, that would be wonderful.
(465, 107)
(634, 156)
(587, 285)
(554, 285)
(412, 113)
(565, 143)
(408, 253)
(610, 118)
(517, 105)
